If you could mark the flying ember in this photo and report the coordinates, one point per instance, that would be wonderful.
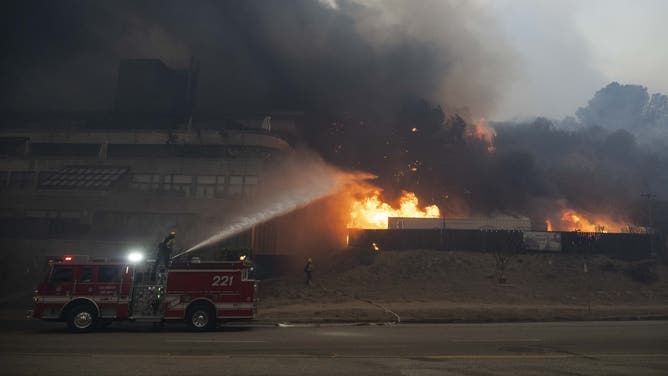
(372, 213)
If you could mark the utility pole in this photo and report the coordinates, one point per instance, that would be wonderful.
(650, 229)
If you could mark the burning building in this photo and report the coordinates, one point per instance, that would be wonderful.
(379, 227)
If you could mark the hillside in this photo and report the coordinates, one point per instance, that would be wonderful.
(457, 286)
(425, 285)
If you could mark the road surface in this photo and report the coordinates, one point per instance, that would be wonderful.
(571, 348)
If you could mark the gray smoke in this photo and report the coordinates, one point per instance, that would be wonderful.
(628, 107)
(601, 161)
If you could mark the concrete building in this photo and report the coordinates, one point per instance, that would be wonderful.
(102, 183)
(99, 191)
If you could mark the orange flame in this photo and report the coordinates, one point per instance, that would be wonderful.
(571, 220)
(372, 213)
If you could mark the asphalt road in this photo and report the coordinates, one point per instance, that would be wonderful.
(572, 348)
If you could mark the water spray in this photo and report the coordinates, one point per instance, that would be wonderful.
(243, 223)
(306, 183)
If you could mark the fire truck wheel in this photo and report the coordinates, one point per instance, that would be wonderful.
(201, 317)
(81, 318)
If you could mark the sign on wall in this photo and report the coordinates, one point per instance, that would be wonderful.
(542, 241)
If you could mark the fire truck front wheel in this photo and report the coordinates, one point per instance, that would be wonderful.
(81, 318)
(201, 317)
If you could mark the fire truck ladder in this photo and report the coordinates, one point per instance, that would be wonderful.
(148, 296)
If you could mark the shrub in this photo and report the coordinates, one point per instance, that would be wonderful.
(644, 272)
(609, 266)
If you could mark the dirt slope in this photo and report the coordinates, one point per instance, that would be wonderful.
(454, 286)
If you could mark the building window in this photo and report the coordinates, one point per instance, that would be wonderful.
(145, 182)
(22, 180)
(4, 180)
(70, 214)
(236, 186)
(220, 185)
(206, 186)
(44, 176)
(64, 214)
(178, 183)
(250, 185)
(41, 214)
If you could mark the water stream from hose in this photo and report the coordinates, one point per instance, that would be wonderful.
(294, 185)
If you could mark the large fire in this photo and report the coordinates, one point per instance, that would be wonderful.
(571, 220)
(372, 213)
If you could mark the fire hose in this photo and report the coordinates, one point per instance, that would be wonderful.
(377, 305)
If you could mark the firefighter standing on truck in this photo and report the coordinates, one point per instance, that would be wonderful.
(165, 250)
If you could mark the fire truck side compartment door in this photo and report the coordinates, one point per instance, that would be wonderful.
(108, 286)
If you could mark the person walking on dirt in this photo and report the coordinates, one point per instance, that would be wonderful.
(308, 269)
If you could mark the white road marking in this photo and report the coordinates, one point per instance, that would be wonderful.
(343, 334)
(213, 340)
(13, 355)
(496, 340)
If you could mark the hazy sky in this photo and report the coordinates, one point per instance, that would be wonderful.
(568, 49)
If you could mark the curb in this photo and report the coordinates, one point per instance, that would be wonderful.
(326, 323)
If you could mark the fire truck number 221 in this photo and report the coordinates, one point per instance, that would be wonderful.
(89, 295)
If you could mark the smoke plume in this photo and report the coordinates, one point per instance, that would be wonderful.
(390, 87)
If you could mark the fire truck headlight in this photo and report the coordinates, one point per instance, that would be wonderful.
(135, 256)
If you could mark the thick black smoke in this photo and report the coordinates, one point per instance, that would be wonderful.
(360, 70)
(370, 76)
(348, 56)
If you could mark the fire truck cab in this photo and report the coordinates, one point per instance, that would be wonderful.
(89, 294)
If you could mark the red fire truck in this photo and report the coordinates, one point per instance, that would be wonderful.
(89, 294)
